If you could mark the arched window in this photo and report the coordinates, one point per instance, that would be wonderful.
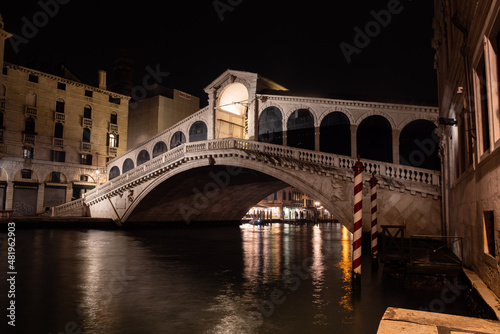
(335, 134)
(87, 112)
(58, 130)
(114, 172)
(374, 139)
(29, 125)
(112, 140)
(419, 145)
(271, 126)
(177, 139)
(113, 118)
(128, 164)
(198, 131)
(31, 99)
(159, 148)
(300, 129)
(142, 157)
(60, 105)
(86, 135)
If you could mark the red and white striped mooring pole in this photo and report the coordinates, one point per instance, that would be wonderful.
(358, 215)
(374, 232)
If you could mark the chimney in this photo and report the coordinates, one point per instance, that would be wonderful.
(102, 79)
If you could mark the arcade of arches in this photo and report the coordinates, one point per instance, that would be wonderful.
(374, 139)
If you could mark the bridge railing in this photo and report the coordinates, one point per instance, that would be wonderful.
(393, 171)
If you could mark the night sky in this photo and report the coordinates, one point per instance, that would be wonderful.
(296, 44)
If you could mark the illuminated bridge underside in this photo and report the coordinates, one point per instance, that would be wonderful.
(221, 179)
(205, 194)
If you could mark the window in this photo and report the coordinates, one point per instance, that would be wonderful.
(33, 78)
(483, 104)
(85, 159)
(114, 100)
(112, 140)
(87, 112)
(58, 130)
(26, 173)
(60, 106)
(88, 93)
(58, 156)
(114, 118)
(275, 196)
(5, 70)
(55, 177)
(61, 86)
(86, 135)
(84, 178)
(489, 232)
(28, 152)
(2, 119)
(29, 125)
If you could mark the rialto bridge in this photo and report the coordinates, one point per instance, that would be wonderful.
(255, 138)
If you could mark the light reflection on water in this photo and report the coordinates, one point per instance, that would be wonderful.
(252, 279)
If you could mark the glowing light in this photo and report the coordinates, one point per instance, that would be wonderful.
(234, 99)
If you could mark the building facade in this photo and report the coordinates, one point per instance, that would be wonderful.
(466, 39)
(163, 108)
(56, 135)
(288, 204)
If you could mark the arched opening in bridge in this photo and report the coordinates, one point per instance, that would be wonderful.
(198, 131)
(159, 148)
(128, 164)
(374, 139)
(113, 173)
(177, 139)
(232, 112)
(419, 145)
(335, 134)
(225, 193)
(300, 129)
(271, 126)
(142, 157)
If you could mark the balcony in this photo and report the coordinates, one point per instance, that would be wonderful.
(113, 128)
(112, 151)
(59, 116)
(29, 138)
(86, 122)
(58, 142)
(86, 147)
(30, 111)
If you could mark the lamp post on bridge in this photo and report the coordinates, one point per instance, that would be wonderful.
(358, 223)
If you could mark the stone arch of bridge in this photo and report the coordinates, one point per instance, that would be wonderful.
(190, 192)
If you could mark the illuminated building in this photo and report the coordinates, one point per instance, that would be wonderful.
(56, 133)
(466, 39)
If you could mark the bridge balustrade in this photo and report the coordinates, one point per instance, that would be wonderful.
(397, 172)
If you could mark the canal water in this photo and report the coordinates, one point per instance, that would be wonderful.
(247, 279)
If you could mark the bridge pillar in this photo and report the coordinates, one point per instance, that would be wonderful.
(395, 146)
(316, 139)
(354, 131)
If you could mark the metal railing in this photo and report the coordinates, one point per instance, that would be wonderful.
(445, 250)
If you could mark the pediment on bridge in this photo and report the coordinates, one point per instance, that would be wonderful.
(252, 81)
